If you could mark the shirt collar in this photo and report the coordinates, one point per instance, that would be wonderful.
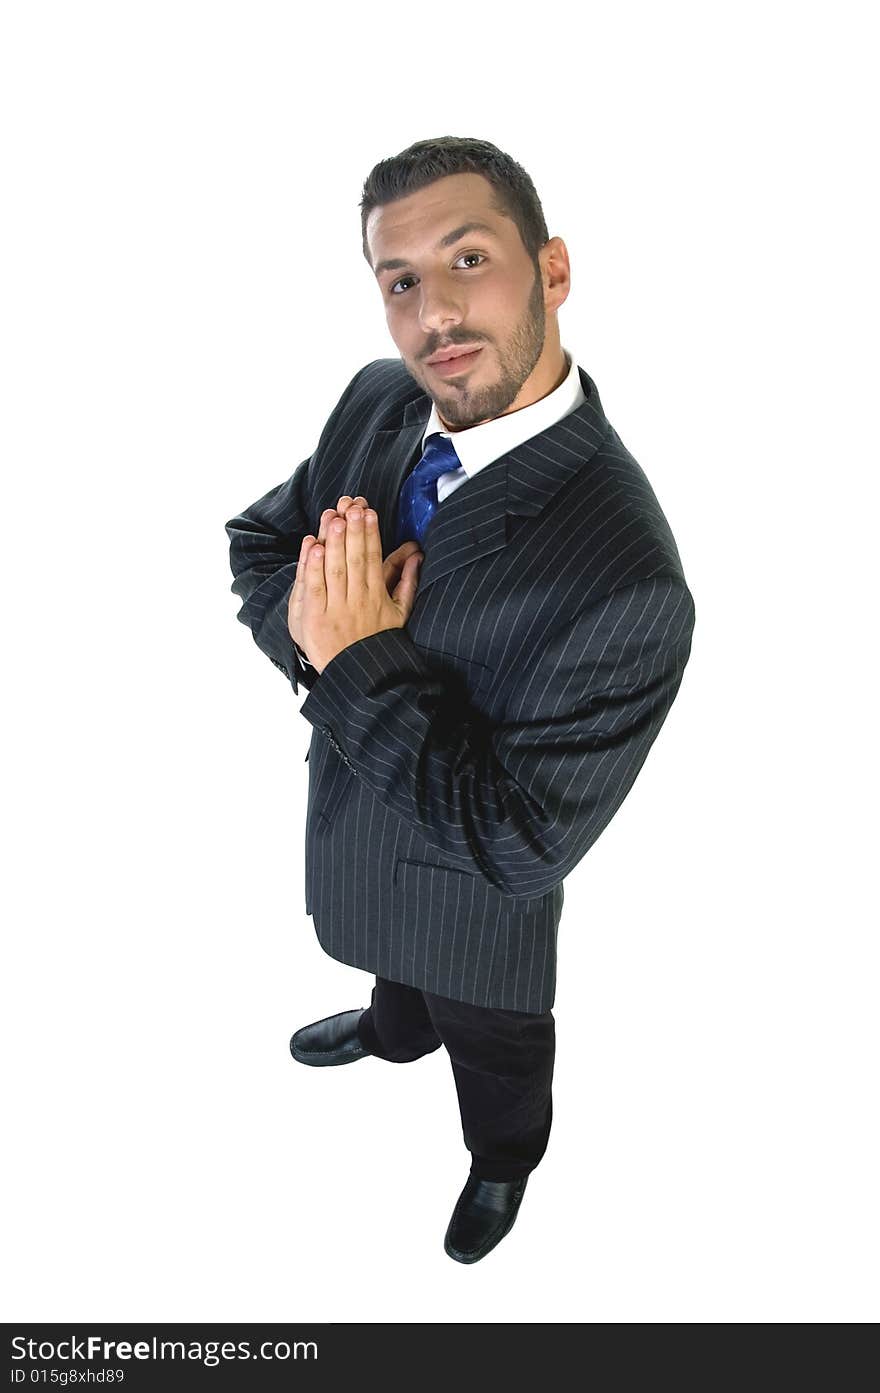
(479, 445)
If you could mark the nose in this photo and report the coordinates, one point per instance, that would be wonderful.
(439, 314)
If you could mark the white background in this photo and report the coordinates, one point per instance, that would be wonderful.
(184, 299)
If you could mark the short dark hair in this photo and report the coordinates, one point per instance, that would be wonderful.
(421, 164)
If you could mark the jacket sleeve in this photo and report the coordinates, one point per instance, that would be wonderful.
(518, 802)
(264, 546)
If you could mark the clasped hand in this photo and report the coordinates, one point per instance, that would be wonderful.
(343, 590)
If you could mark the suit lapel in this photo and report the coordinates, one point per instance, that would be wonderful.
(473, 521)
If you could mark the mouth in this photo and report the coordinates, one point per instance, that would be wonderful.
(461, 362)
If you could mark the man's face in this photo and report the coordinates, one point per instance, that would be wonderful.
(480, 290)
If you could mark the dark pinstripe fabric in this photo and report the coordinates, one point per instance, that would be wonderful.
(460, 767)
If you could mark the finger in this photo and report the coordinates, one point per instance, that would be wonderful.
(315, 588)
(405, 594)
(324, 522)
(297, 594)
(335, 568)
(405, 549)
(373, 568)
(355, 552)
(347, 502)
(396, 558)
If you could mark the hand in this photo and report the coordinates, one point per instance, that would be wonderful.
(344, 591)
(392, 567)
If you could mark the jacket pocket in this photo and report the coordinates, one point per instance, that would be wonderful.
(407, 871)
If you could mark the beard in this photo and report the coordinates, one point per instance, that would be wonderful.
(468, 404)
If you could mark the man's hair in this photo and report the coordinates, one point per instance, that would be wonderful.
(514, 194)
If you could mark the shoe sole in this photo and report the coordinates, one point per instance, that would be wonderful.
(325, 1059)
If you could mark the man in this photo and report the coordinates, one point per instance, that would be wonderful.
(491, 623)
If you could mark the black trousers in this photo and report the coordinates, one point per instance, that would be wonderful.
(502, 1062)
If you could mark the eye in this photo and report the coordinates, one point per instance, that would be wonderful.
(464, 256)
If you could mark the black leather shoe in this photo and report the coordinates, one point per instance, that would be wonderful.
(485, 1212)
(333, 1040)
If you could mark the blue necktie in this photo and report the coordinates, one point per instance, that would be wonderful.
(418, 497)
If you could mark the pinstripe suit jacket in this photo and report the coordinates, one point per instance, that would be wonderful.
(461, 766)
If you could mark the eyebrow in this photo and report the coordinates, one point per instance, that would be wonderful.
(395, 264)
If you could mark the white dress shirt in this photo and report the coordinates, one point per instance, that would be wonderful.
(480, 445)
